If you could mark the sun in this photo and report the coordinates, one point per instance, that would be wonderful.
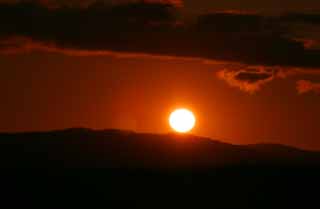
(182, 120)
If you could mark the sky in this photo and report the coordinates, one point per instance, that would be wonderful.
(249, 70)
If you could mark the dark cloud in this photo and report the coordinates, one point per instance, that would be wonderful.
(302, 27)
(263, 48)
(86, 3)
(230, 22)
(249, 79)
(313, 18)
(253, 77)
(154, 28)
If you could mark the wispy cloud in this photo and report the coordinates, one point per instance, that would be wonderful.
(251, 79)
(304, 86)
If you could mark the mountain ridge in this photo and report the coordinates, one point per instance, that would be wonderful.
(84, 168)
(170, 134)
(82, 147)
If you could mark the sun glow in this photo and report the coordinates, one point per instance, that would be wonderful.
(182, 120)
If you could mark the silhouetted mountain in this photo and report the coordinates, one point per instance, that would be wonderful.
(124, 149)
(83, 168)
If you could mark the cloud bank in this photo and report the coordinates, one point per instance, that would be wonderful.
(263, 47)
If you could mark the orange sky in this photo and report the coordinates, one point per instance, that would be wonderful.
(248, 76)
(50, 91)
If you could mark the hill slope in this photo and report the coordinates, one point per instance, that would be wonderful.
(120, 149)
(82, 168)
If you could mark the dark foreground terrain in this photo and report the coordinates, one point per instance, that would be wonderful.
(82, 168)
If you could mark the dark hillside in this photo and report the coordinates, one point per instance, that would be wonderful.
(82, 168)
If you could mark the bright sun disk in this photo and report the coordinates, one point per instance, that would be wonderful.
(182, 120)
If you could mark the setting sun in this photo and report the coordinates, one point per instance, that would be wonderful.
(182, 120)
